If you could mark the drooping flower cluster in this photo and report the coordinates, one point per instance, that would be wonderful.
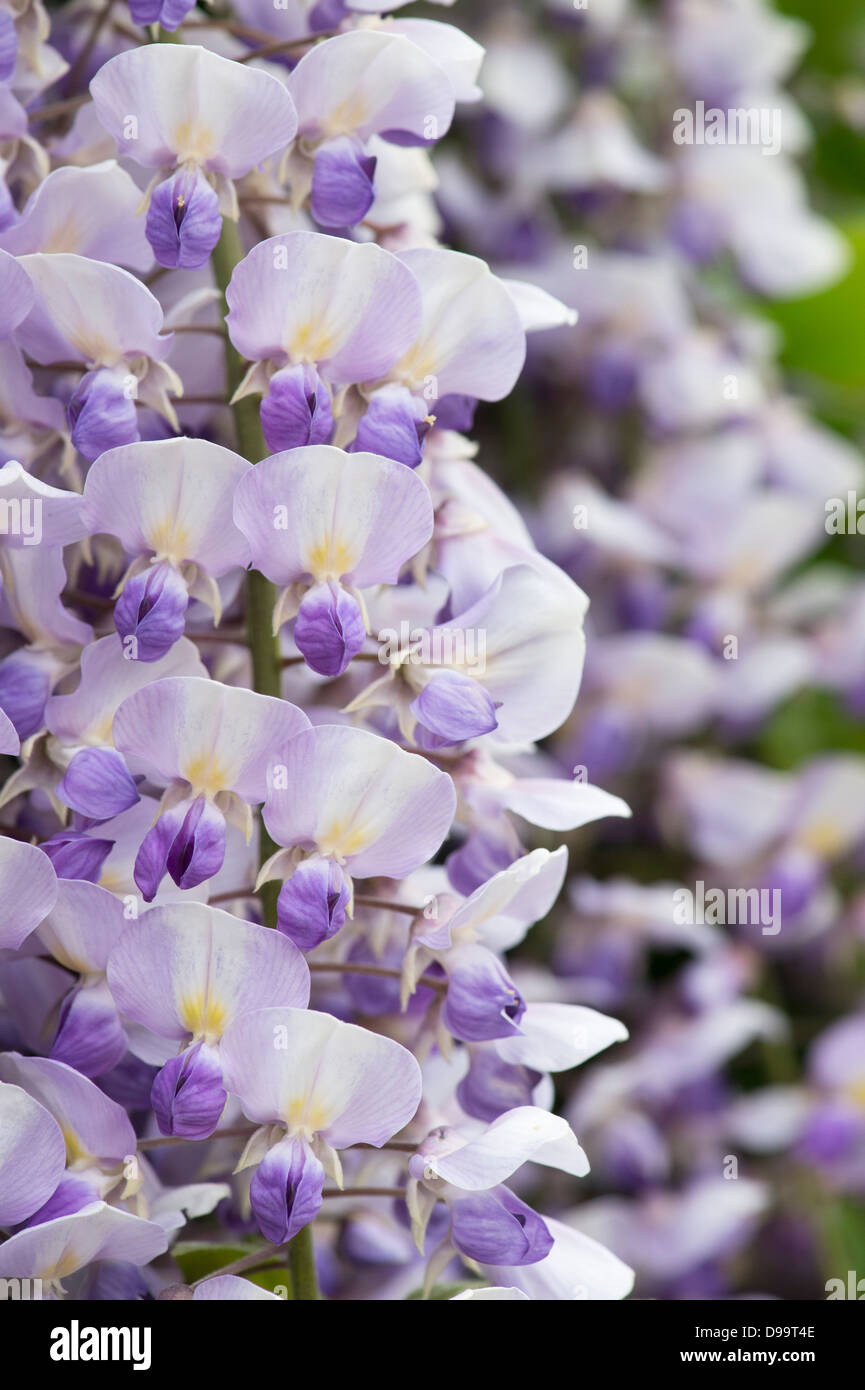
(640, 162)
(276, 658)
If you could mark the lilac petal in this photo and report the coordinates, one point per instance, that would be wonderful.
(185, 970)
(189, 101)
(152, 609)
(455, 412)
(76, 855)
(497, 1228)
(217, 737)
(329, 630)
(169, 14)
(171, 497)
(323, 513)
(24, 687)
(10, 743)
(198, 849)
(493, 1086)
(98, 784)
(455, 707)
(345, 1082)
(32, 1155)
(49, 516)
(297, 409)
(285, 1193)
(187, 842)
(373, 82)
(356, 795)
(392, 427)
(91, 1122)
(71, 1194)
(482, 1001)
(151, 861)
(55, 1249)
(16, 292)
(8, 46)
(28, 891)
(89, 1034)
(183, 220)
(352, 308)
(311, 905)
(102, 413)
(145, 11)
(188, 1096)
(342, 183)
(230, 1287)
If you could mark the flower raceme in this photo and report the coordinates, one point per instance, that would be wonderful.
(239, 365)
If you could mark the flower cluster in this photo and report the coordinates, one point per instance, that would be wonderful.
(276, 659)
(640, 163)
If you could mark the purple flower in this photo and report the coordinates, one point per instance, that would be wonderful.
(183, 220)
(296, 410)
(102, 413)
(152, 610)
(329, 629)
(285, 1192)
(342, 183)
(312, 903)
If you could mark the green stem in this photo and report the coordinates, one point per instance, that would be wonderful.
(261, 594)
(264, 650)
(301, 1263)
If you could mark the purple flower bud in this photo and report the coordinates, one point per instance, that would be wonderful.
(98, 784)
(89, 1035)
(71, 1194)
(169, 14)
(311, 905)
(342, 191)
(102, 413)
(77, 855)
(454, 707)
(24, 688)
(391, 427)
(285, 1193)
(482, 1001)
(152, 609)
(183, 220)
(329, 629)
(493, 1086)
(188, 842)
(188, 1096)
(496, 1228)
(296, 410)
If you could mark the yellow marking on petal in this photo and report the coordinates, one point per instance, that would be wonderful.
(193, 142)
(856, 1092)
(342, 838)
(420, 362)
(74, 1148)
(310, 341)
(206, 774)
(100, 735)
(65, 237)
(351, 113)
(823, 838)
(169, 537)
(304, 1114)
(329, 558)
(205, 1018)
